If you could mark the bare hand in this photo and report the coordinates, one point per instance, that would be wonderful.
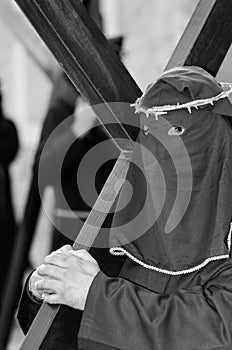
(65, 277)
(35, 277)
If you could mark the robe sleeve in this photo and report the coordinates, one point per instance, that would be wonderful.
(122, 315)
(28, 308)
(64, 330)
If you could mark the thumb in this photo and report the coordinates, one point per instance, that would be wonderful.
(51, 298)
(66, 248)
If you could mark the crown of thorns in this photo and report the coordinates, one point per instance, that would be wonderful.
(161, 110)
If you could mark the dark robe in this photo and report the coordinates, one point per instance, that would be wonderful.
(174, 288)
(188, 312)
(8, 149)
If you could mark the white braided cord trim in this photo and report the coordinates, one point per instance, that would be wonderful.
(229, 238)
(118, 251)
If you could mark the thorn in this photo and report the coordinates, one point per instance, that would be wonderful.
(146, 130)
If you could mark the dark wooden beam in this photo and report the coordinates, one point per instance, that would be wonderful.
(207, 37)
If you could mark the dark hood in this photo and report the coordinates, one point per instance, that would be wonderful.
(182, 184)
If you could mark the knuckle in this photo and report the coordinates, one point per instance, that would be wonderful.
(67, 247)
(80, 253)
(35, 273)
(41, 269)
(47, 258)
(83, 251)
(41, 284)
(33, 276)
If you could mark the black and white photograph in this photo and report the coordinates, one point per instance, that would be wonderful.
(115, 175)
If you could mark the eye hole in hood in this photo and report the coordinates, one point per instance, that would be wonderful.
(176, 131)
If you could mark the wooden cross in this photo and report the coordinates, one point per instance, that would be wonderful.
(86, 57)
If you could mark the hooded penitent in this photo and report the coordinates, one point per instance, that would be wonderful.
(174, 221)
(178, 218)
